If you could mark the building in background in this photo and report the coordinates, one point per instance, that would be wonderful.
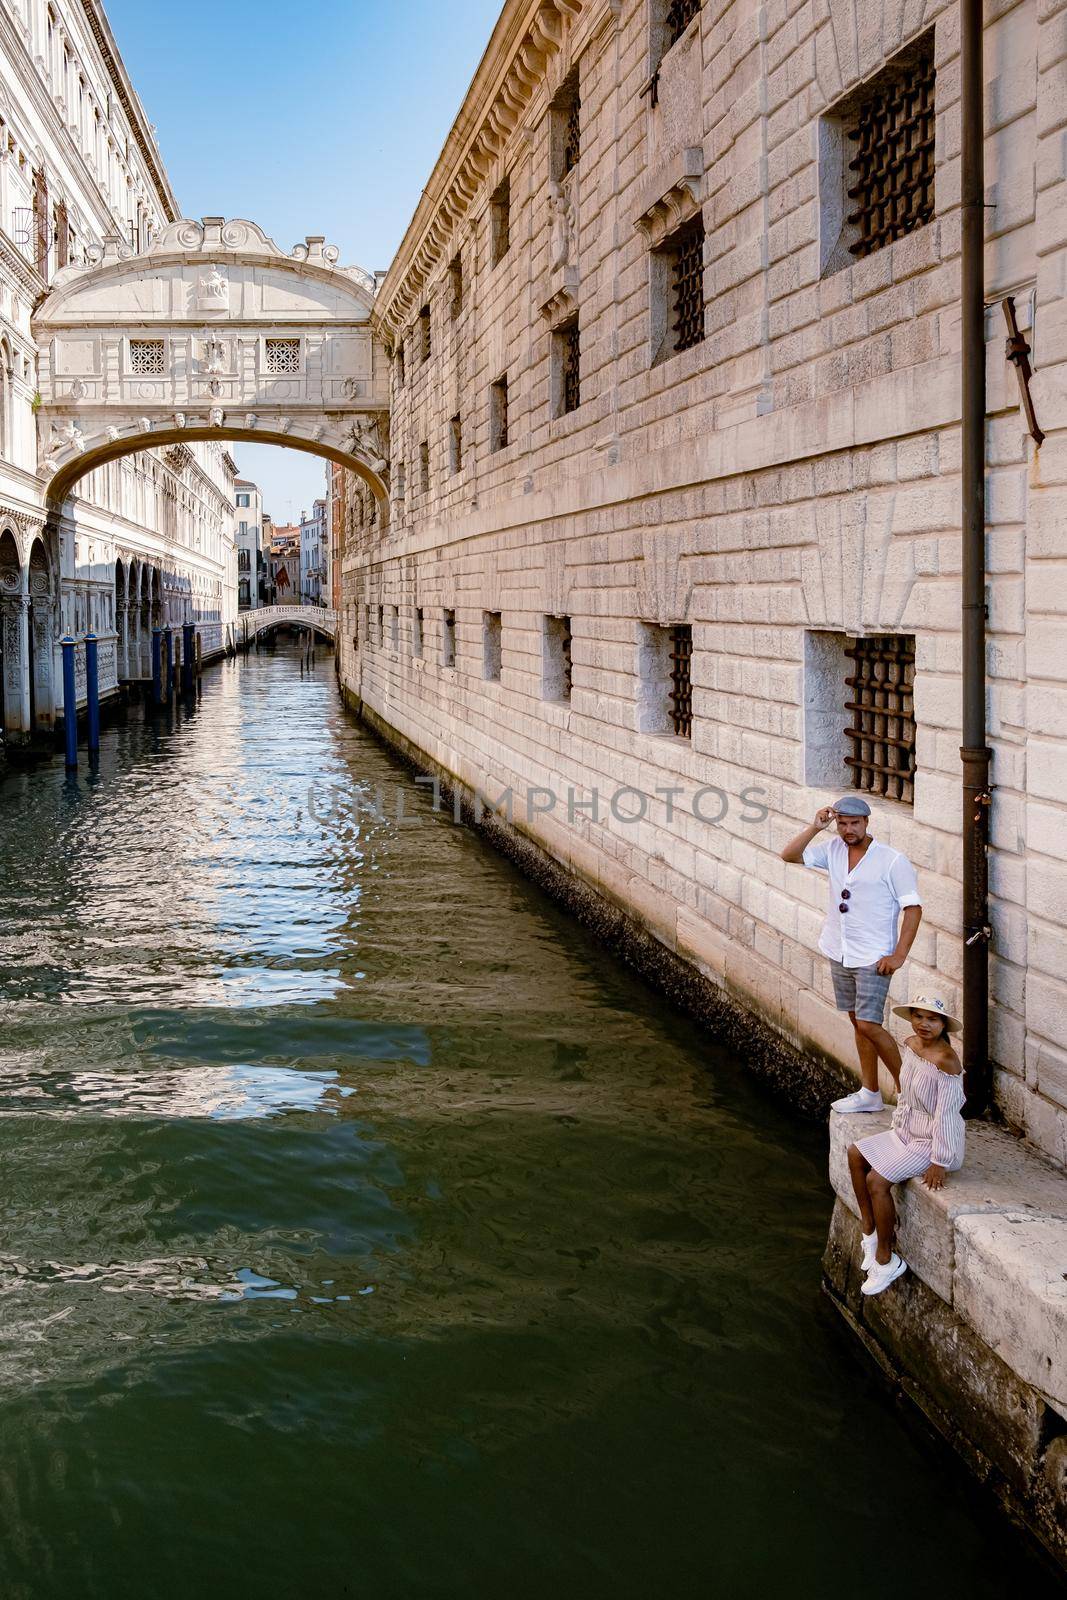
(145, 539)
(284, 562)
(314, 570)
(249, 540)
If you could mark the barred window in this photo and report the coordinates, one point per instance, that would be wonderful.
(891, 171)
(687, 286)
(565, 128)
(568, 388)
(399, 367)
(448, 639)
(455, 279)
(147, 357)
(681, 679)
(500, 222)
(677, 17)
(424, 467)
(665, 685)
(492, 628)
(881, 728)
(498, 413)
(455, 444)
(417, 625)
(424, 334)
(283, 355)
(556, 670)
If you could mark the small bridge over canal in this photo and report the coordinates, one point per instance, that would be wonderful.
(318, 619)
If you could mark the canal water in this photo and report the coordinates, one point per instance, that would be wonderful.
(368, 1230)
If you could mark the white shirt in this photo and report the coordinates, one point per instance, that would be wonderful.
(880, 884)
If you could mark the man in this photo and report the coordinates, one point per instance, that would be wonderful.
(870, 884)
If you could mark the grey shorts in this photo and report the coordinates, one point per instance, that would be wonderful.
(860, 989)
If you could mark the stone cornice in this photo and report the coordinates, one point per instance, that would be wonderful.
(20, 268)
(105, 43)
(526, 38)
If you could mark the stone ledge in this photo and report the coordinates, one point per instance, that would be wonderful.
(992, 1243)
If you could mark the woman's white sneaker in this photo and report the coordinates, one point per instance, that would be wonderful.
(870, 1245)
(882, 1274)
(862, 1100)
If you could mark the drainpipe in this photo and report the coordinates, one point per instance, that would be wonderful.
(974, 752)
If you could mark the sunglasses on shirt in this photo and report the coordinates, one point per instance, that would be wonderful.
(846, 894)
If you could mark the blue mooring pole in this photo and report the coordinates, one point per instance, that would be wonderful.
(168, 647)
(157, 666)
(70, 703)
(92, 693)
(188, 656)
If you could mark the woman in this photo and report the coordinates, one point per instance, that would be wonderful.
(925, 1139)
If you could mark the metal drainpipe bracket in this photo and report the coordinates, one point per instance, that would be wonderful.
(1017, 350)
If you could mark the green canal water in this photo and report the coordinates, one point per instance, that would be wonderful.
(367, 1230)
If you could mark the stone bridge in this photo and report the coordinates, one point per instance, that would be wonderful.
(212, 333)
(322, 620)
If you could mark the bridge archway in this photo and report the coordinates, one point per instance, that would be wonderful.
(213, 332)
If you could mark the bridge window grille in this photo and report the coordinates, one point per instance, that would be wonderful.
(881, 730)
(687, 286)
(400, 365)
(677, 17)
(892, 167)
(569, 354)
(424, 467)
(417, 627)
(381, 627)
(455, 444)
(283, 355)
(455, 279)
(681, 657)
(147, 357)
(448, 640)
(425, 334)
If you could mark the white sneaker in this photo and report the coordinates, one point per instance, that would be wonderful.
(860, 1101)
(882, 1275)
(870, 1245)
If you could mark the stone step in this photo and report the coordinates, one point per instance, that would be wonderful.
(992, 1243)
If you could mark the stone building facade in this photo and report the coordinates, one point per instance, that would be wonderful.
(148, 539)
(672, 462)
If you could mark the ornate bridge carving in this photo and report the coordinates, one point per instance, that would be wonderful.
(249, 623)
(212, 333)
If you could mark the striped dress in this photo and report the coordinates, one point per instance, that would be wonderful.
(928, 1127)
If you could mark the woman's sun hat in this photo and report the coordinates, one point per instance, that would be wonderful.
(929, 1000)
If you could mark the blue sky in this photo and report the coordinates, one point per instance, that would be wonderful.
(321, 117)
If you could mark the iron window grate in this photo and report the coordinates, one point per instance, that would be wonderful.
(570, 353)
(565, 653)
(881, 733)
(679, 15)
(424, 333)
(500, 414)
(572, 136)
(687, 282)
(681, 679)
(893, 163)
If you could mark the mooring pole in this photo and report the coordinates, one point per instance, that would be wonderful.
(168, 662)
(157, 666)
(92, 693)
(70, 703)
(974, 752)
(188, 657)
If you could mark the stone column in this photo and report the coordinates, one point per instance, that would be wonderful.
(122, 644)
(16, 619)
(44, 664)
(133, 641)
